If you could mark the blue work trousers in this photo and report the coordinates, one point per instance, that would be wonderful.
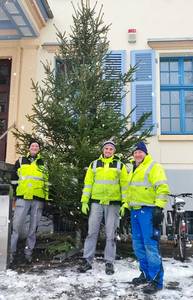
(146, 248)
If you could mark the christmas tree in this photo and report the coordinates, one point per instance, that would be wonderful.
(77, 108)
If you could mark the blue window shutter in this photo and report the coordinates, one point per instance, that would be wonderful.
(143, 87)
(114, 66)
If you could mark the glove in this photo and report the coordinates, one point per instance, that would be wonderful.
(85, 208)
(157, 217)
(122, 209)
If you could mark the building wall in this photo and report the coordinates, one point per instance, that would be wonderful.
(24, 69)
(152, 20)
(161, 19)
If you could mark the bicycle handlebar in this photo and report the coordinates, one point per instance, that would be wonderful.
(181, 195)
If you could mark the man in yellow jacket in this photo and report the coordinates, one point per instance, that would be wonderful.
(104, 189)
(30, 182)
(147, 195)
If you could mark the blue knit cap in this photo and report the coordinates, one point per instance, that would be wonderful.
(140, 146)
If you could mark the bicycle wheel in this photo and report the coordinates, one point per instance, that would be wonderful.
(182, 230)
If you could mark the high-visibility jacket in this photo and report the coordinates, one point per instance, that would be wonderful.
(147, 185)
(31, 178)
(105, 181)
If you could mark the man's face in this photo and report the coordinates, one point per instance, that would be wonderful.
(139, 156)
(108, 151)
(34, 149)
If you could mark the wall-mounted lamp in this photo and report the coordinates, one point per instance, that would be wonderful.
(132, 35)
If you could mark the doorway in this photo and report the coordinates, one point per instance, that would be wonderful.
(5, 77)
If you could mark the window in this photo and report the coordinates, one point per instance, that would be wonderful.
(176, 95)
(63, 67)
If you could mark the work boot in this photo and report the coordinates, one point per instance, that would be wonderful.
(28, 259)
(109, 269)
(139, 280)
(11, 258)
(151, 288)
(85, 267)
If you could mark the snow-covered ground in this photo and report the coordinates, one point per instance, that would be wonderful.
(66, 283)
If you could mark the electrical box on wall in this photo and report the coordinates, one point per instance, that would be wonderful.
(132, 35)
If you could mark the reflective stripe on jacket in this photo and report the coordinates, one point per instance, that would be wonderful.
(32, 181)
(147, 185)
(105, 180)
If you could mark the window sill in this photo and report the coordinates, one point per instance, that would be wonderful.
(175, 137)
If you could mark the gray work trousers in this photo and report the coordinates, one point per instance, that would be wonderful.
(111, 218)
(23, 207)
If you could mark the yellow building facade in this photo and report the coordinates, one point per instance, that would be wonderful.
(141, 29)
(21, 23)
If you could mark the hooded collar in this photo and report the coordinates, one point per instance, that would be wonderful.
(147, 160)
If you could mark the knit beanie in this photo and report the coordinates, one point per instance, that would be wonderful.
(141, 146)
(109, 142)
(33, 140)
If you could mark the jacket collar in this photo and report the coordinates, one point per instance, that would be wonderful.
(147, 160)
(36, 157)
(106, 160)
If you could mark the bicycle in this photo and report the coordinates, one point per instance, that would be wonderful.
(177, 220)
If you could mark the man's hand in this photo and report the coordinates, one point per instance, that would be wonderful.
(85, 208)
(122, 209)
(157, 217)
